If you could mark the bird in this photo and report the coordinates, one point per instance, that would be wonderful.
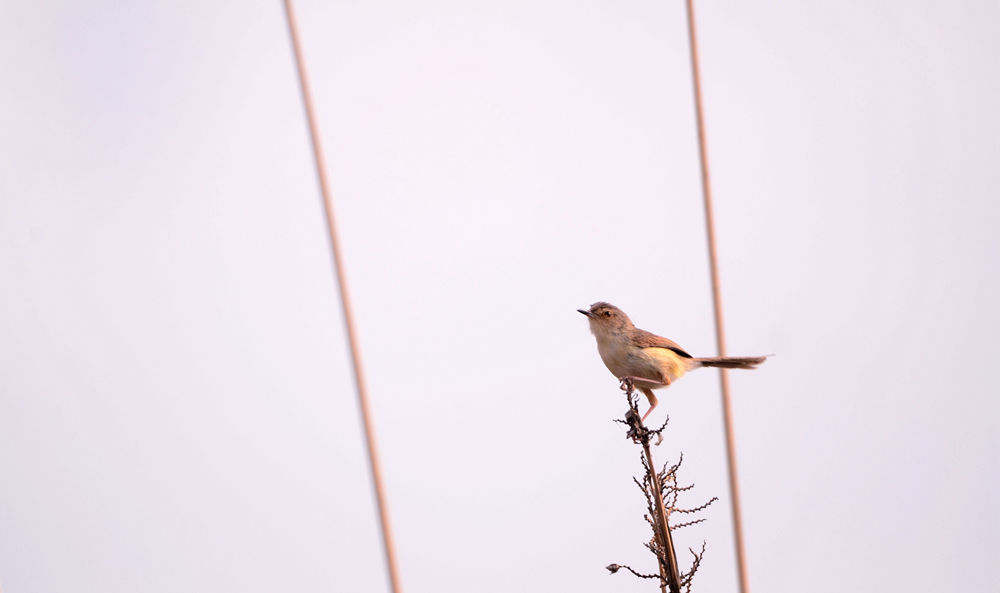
(648, 360)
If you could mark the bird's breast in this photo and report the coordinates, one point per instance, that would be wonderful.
(614, 354)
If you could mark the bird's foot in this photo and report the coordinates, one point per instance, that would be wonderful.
(630, 379)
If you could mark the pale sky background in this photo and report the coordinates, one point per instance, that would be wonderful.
(176, 406)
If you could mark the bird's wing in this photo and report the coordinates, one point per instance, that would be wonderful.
(644, 339)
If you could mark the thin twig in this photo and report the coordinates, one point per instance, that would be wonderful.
(613, 568)
(688, 524)
(696, 509)
(689, 575)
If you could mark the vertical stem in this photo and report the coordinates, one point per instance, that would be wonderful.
(720, 334)
(345, 301)
(663, 528)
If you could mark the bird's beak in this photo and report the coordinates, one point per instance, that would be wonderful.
(587, 313)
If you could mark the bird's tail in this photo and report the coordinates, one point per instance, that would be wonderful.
(732, 362)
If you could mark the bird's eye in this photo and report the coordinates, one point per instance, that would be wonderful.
(607, 313)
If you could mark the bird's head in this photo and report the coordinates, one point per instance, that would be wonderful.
(606, 319)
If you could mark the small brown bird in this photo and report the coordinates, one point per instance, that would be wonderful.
(651, 362)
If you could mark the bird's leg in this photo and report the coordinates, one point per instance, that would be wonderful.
(652, 402)
(629, 382)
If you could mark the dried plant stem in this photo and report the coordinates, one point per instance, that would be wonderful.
(672, 575)
(661, 490)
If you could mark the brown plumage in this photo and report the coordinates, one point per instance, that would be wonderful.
(649, 360)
